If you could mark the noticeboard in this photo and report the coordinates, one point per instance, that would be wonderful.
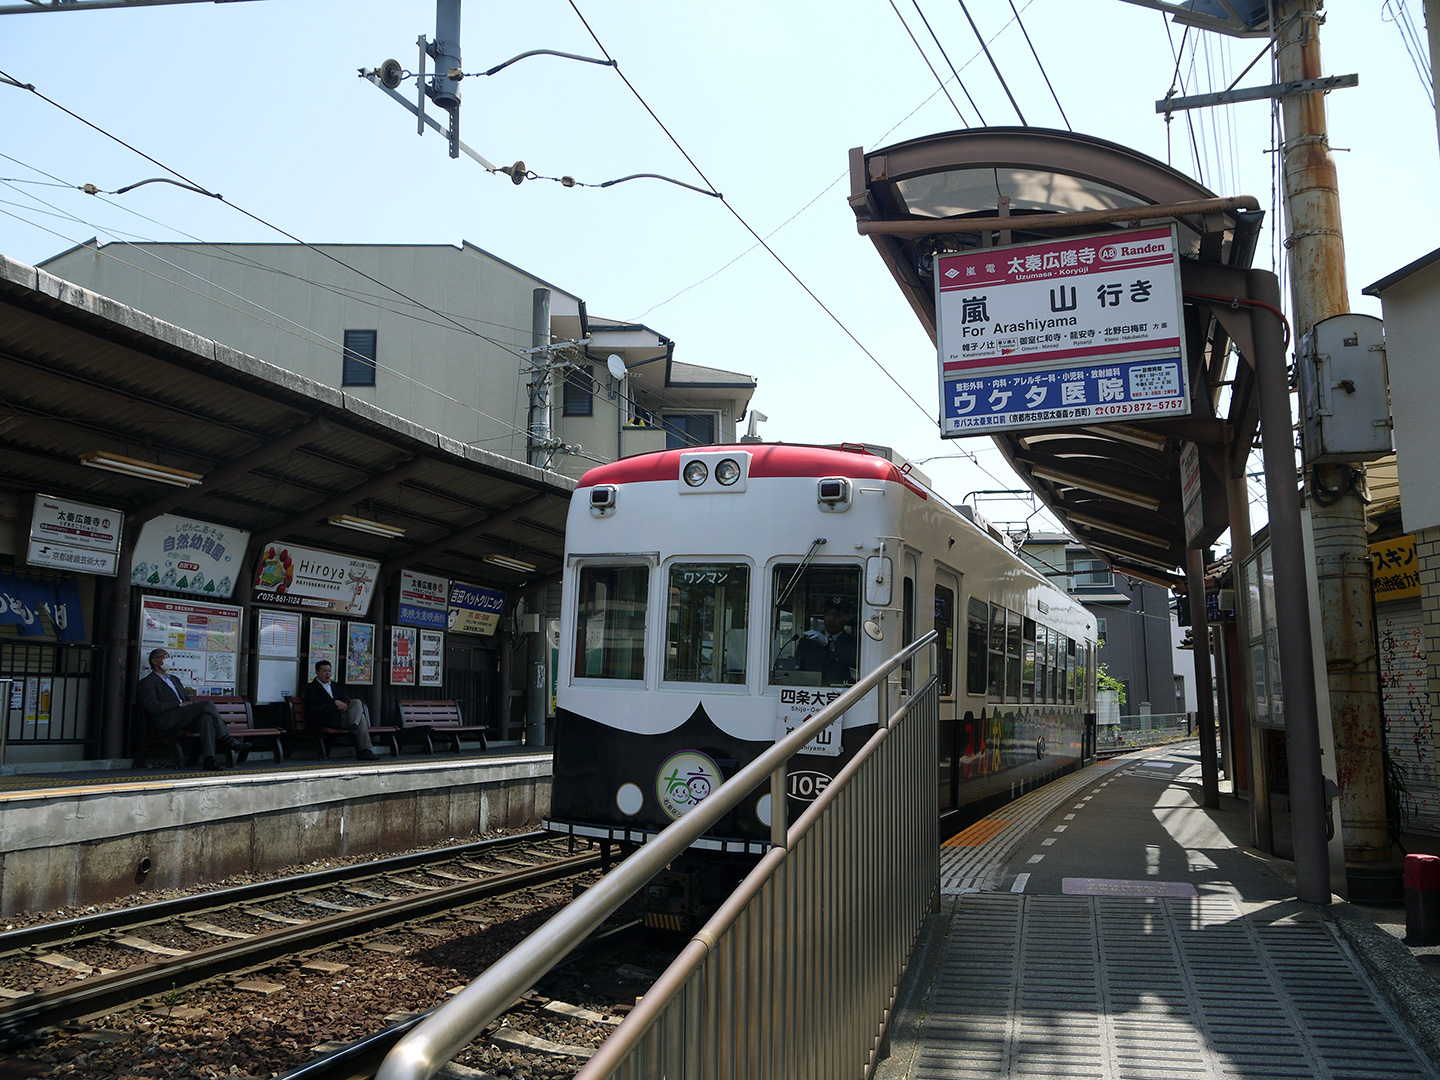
(202, 638)
(1084, 330)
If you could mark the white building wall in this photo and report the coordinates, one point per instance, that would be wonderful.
(455, 368)
(1412, 352)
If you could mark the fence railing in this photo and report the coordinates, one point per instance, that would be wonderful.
(50, 697)
(795, 975)
(1146, 729)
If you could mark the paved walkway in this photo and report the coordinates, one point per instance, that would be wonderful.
(1107, 926)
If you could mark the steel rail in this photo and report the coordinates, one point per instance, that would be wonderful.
(22, 1018)
(70, 930)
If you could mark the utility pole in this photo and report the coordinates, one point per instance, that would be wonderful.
(1316, 247)
(537, 425)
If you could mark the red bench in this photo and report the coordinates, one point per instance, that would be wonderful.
(239, 718)
(323, 738)
(182, 748)
(438, 718)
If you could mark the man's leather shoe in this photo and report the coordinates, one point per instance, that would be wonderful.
(366, 755)
(210, 765)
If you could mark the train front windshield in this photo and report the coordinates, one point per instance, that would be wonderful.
(813, 623)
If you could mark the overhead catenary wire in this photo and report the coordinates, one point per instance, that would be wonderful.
(938, 79)
(314, 337)
(948, 63)
(1006, 86)
(1041, 65)
(745, 224)
(822, 192)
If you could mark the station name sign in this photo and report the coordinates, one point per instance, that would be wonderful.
(1084, 330)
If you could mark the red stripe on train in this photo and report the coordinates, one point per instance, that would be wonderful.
(766, 460)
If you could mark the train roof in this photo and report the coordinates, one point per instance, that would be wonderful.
(766, 460)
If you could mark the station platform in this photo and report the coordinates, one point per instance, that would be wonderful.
(1108, 925)
(90, 836)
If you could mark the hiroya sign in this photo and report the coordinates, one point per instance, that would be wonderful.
(323, 581)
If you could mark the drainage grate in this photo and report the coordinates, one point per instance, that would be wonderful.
(1152, 987)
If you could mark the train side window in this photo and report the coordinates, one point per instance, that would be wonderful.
(945, 629)
(1013, 653)
(1056, 664)
(610, 616)
(1042, 662)
(977, 626)
(907, 635)
(997, 653)
(1027, 662)
(707, 622)
(1070, 670)
(815, 612)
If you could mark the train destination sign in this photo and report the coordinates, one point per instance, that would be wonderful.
(1083, 330)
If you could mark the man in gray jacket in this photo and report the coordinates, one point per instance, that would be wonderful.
(171, 708)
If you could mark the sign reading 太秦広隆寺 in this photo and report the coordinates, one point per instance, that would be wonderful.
(474, 609)
(1397, 571)
(74, 536)
(423, 600)
(1077, 331)
(188, 556)
(324, 581)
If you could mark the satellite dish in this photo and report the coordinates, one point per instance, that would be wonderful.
(616, 366)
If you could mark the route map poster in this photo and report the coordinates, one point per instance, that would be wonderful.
(203, 640)
(1078, 331)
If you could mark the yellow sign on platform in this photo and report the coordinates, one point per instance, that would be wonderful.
(1396, 570)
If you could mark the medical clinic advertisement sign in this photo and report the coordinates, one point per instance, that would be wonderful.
(322, 581)
(1076, 331)
(423, 600)
(474, 609)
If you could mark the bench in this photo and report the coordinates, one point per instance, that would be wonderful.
(239, 717)
(182, 748)
(324, 738)
(431, 718)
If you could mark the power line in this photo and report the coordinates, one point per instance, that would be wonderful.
(1013, 103)
(935, 38)
(820, 194)
(745, 224)
(1041, 66)
(938, 80)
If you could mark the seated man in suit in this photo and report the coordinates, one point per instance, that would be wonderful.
(170, 707)
(327, 705)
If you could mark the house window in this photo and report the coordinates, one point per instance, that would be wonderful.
(1090, 574)
(684, 430)
(580, 390)
(359, 365)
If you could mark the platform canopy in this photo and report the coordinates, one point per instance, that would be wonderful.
(251, 445)
(1115, 486)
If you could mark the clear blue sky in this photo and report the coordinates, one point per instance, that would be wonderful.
(260, 101)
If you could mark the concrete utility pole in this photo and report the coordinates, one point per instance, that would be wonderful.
(537, 425)
(1316, 249)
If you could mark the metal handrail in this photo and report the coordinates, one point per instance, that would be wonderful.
(424, 1051)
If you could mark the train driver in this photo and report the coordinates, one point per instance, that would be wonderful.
(830, 651)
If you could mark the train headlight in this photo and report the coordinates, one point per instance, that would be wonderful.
(696, 472)
(727, 471)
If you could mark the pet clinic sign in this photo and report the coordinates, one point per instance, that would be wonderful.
(1065, 332)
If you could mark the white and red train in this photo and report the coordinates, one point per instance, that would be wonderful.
(715, 597)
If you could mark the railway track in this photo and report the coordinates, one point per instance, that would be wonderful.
(281, 921)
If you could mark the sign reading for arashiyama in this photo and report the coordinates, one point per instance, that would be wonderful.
(1078, 331)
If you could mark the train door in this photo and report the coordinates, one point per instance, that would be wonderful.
(907, 619)
(947, 599)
